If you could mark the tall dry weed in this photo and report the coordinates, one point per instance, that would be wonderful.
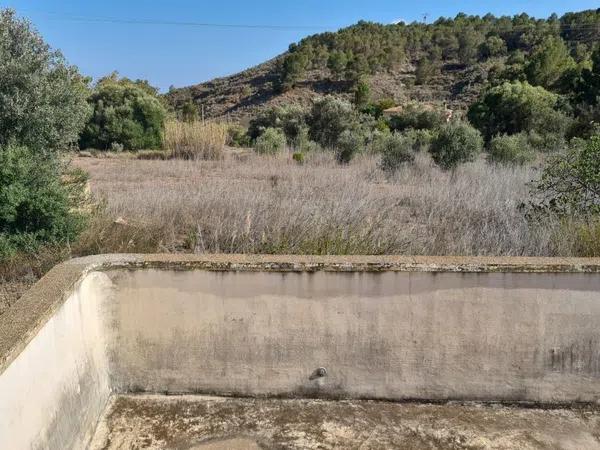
(195, 140)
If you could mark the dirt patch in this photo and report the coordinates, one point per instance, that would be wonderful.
(189, 422)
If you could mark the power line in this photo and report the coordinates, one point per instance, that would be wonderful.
(128, 21)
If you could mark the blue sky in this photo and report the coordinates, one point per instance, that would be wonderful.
(179, 55)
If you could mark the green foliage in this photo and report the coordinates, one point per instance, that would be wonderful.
(270, 142)
(348, 145)
(455, 143)
(514, 149)
(237, 136)
(420, 138)
(298, 157)
(515, 107)
(126, 112)
(290, 119)
(189, 112)
(337, 63)
(426, 70)
(570, 182)
(328, 119)
(548, 62)
(492, 47)
(396, 150)
(468, 44)
(42, 99)
(362, 94)
(418, 117)
(35, 206)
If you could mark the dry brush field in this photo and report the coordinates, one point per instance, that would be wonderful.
(255, 204)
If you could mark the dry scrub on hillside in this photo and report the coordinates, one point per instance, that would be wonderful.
(274, 205)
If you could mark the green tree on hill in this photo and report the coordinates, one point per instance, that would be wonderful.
(125, 113)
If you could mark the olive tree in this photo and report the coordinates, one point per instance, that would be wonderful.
(42, 98)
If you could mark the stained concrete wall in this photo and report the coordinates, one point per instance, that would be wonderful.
(392, 335)
(54, 391)
(381, 327)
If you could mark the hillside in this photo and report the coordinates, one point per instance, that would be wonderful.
(448, 61)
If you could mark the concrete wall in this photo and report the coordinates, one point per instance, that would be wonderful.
(54, 391)
(381, 327)
(392, 335)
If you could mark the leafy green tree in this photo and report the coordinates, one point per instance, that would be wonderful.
(454, 144)
(328, 119)
(42, 98)
(514, 107)
(293, 69)
(548, 62)
(468, 44)
(337, 63)
(125, 113)
(492, 47)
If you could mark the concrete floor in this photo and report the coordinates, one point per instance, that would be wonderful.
(212, 423)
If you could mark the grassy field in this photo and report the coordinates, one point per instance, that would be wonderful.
(254, 204)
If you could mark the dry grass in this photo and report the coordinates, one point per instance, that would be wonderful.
(273, 205)
(197, 140)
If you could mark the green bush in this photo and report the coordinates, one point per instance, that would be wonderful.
(42, 99)
(298, 157)
(349, 144)
(328, 119)
(418, 117)
(515, 107)
(421, 139)
(455, 143)
(514, 149)
(237, 136)
(36, 207)
(396, 150)
(570, 182)
(291, 119)
(125, 112)
(271, 142)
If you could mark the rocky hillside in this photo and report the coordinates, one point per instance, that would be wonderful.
(446, 62)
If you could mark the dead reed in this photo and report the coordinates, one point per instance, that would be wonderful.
(195, 140)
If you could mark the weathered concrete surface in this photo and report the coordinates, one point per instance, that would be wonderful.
(156, 422)
(53, 392)
(386, 335)
(381, 327)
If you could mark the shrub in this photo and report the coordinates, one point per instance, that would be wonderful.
(271, 142)
(125, 112)
(328, 119)
(570, 182)
(291, 119)
(493, 46)
(455, 143)
(396, 150)
(237, 136)
(298, 157)
(35, 205)
(42, 99)
(514, 107)
(513, 149)
(421, 139)
(349, 144)
(418, 117)
(196, 140)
